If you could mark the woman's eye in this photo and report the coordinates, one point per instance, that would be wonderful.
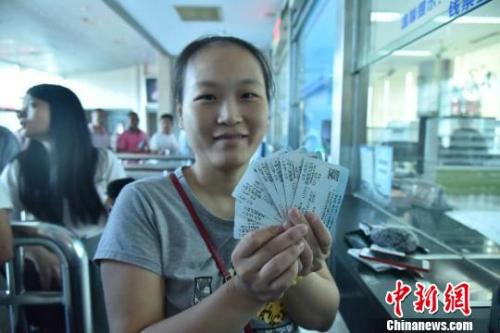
(206, 97)
(249, 95)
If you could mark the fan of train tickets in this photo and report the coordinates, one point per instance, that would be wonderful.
(284, 180)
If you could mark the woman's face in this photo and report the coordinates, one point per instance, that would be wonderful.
(225, 108)
(35, 117)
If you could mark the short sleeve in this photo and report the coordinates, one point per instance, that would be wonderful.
(9, 188)
(131, 235)
(5, 202)
(114, 168)
(108, 169)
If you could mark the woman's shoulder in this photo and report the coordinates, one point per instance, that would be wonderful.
(156, 185)
(11, 172)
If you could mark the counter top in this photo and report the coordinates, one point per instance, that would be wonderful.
(456, 254)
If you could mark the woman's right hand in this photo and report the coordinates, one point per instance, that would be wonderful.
(47, 265)
(267, 261)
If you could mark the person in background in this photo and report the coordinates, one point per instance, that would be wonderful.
(98, 132)
(6, 250)
(9, 146)
(159, 273)
(164, 141)
(133, 140)
(119, 129)
(59, 178)
(114, 188)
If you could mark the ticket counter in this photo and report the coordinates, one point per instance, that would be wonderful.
(456, 254)
(421, 103)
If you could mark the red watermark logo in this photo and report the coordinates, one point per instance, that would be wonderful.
(456, 297)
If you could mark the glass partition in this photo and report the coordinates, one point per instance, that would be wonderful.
(434, 99)
(314, 68)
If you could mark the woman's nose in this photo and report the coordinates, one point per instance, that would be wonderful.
(229, 113)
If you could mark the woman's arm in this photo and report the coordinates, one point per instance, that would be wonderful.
(266, 262)
(314, 301)
(6, 242)
(135, 303)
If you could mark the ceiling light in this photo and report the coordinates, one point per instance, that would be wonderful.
(470, 20)
(384, 17)
(412, 53)
(199, 13)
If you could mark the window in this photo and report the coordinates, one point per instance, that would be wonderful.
(315, 50)
(437, 103)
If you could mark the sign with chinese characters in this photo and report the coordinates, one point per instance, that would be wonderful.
(461, 7)
(423, 10)
(456, 298)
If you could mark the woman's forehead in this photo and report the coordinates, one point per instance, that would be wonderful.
(224, 63)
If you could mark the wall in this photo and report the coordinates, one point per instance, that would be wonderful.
(117, 89)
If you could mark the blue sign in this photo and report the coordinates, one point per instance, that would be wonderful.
(424, 7)
(418, 12)
(460, 7)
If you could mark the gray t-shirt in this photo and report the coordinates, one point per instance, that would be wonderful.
(150, 227)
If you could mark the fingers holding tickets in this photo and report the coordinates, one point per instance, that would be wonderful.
(321, 233)
(319, 238)
(266, 261)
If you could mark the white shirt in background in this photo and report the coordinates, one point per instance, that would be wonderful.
(108, 169)
(5, 202)
(164, 143)
(100, 137)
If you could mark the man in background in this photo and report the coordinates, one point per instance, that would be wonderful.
(98, 132)
(164, 141)
(133, 140)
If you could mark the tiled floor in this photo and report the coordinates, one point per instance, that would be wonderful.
(339, 326)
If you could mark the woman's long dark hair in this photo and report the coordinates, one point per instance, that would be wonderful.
(66, 172)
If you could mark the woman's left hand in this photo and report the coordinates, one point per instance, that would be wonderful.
(318, 238)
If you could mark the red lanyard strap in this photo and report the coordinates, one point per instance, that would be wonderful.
(201, 228)
(204, 234)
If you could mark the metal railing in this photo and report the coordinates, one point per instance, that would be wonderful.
(145, 165)
(75, 293)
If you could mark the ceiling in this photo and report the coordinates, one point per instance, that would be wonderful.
(158, 21)
(67, 37)
(81, 36)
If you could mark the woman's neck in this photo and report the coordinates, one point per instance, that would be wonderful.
(214, 188)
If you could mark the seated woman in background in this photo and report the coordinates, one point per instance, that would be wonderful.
(158, 272)
(60, 178)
